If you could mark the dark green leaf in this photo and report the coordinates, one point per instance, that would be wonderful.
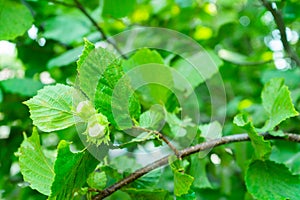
(269, 180)
(143, 194)
(15, 19)
(113, 8)
(198, 171)
(25, 87)
(71, 171)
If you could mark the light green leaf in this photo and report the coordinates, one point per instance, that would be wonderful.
(238, 58)
(51, 108)
(182, 183)
(36, 168)
(145, 136)
(148, 67)
(88, 48)
(277, 101)
(269, 180)
(192, 75)
(97, 180)
(142, 194)
(64, 59)
(153, 118)
(178, 126)
(198, 171)
(91, 67)
(142, 56)
(67, 28)
(71, 171)
(101, 77)
(211, 131)
(15, 19)
(262, 147)
(113, 8)
(24, 87)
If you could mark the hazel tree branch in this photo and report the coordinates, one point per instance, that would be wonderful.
(184, 153)
(277, 15)
(99, 29)
(79, 6)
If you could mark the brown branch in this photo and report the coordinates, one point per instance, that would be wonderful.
(184, 153)
(277, 15)
(79, 6)
(161, 136)
(99, 29)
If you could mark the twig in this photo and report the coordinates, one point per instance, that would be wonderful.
(161, 136)
(99, 29)
(184, 153)
(282, 29)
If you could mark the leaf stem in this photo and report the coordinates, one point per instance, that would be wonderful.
(161, 136)
(184, 153)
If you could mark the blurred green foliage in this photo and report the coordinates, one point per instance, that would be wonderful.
(240, 32)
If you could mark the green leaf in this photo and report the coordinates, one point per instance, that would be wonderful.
(101, 77)
(153, 118)
(113, 8)
(71, 171)
(277, 101)
(64, 59)
(178, 126)
(142, 56)
(192, 75)
(182, 183)
(97, 180)
(25, 87)
(238, 58)
(142, 194)
(269, 180)
(262, 147)
(211, 131)
(145, 136)
(37, 169)
(15, 19)
(67, 28)
(291, 76)
(198, 171)
(147, 66)
(88, 48)
(91, 67)
(149, 180)
(51, 108)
